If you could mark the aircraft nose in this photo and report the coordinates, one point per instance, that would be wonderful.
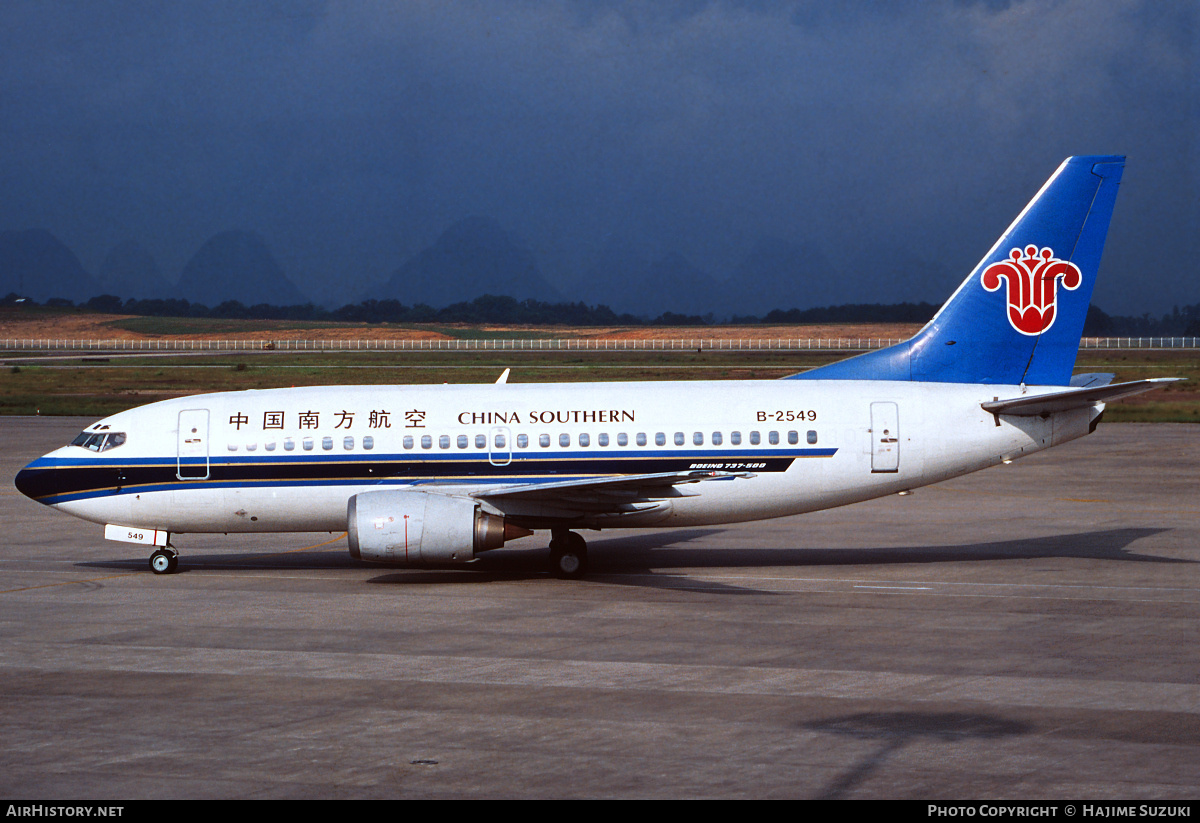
(35, 480)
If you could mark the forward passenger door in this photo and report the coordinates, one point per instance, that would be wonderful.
(191, 462)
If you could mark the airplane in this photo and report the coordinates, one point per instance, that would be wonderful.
(436, 475)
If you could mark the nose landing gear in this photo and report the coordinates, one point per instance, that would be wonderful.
(164, 561)
(568, 555)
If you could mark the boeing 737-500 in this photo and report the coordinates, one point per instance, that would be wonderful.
(435, 475)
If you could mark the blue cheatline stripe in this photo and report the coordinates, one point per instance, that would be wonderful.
(51, 481)
(431, 454)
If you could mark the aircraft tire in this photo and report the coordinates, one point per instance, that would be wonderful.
(568, 558)
(164, 562)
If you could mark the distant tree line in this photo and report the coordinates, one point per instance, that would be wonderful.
(850, 313)
(1180, 322)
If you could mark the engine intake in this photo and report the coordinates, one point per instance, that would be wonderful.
(408, 528)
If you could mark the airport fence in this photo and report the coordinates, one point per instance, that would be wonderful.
(533, 344)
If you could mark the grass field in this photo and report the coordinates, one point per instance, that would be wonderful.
(97, 385)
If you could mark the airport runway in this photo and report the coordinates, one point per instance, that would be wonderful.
(1028, 632)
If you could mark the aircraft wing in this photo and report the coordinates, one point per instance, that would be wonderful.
(602, 494)
(1074, 398)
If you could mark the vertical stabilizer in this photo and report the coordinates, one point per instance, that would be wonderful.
(1018, 317)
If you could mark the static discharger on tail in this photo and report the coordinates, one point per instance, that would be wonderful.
(437, 475)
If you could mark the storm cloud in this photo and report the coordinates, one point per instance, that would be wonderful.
(893, 140)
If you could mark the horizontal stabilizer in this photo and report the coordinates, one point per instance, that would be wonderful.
(1080, 381)
(1039, 404)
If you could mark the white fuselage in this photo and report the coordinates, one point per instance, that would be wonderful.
(281, 460)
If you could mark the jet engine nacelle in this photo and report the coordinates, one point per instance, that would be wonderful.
(409, 528)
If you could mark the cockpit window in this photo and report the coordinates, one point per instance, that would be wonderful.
(99, 441)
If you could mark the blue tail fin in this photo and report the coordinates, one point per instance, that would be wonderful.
(1018, 317)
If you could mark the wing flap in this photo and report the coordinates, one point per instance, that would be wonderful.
(610, 485)
(594, 495)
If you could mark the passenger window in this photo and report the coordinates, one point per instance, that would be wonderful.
(678, 438)
(793, 438)
(755, 439)
(602, 439)
(812, 437)
(326, 443)
(585, 440)
(564, 440)
(444, 441)
(622, 439)
(641, 438)
(522, 441)
(544, 441)
(348, 443)
(269, 446)
(698, 439)
(463, 441)
(307, 444)
(426, 441)
(232, 447)
(408, 442)
(773, 437)
(289, 444)
(735, 438)
(501, 443)
(716, 440)
(250, 447)
(368, 442)
(660, 439)
(481, 441)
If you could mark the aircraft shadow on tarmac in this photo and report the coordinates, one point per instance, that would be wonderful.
(633, 554)
(648, 559)
(895, 730)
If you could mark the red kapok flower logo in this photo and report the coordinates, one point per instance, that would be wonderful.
(1032, 286)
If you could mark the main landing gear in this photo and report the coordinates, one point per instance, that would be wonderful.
(568, 554)
(164, 561)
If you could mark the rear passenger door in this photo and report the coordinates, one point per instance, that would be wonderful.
(885, 437)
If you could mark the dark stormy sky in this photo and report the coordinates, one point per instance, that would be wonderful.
(351, 133)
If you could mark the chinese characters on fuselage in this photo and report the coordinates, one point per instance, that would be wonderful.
(415, 418)
(377, 419)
